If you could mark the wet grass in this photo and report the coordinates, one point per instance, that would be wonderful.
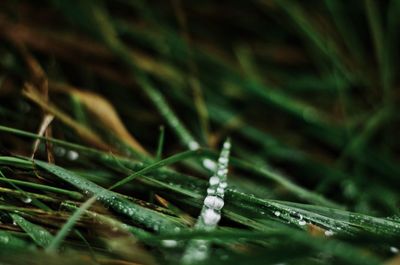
(113, 117)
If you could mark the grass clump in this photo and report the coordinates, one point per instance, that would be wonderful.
(112, 112)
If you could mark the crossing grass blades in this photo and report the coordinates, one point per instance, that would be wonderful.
(114, 115)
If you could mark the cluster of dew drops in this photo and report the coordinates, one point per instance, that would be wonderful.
(214, 200)
(69, 154)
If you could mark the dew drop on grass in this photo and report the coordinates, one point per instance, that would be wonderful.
(394, 250)
(223, 160)
(211, 217)
(302, 222)
(59, 151)
(27, 199)
(223, 185)
(209, 164)
(214, 180)
(277, 213)
(211, 191)
(222, 172)
(168, 243)
(193, 145)
(227, 145)
(220, 191)
(329, 233)
(214, 202)
(72, 155)
(198, 250)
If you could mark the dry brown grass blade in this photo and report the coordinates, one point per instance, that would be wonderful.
(104, 111)
(48, 118)
(88, 135)
(315, 230)
(39, 79)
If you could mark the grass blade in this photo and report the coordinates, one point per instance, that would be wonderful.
(40, 235)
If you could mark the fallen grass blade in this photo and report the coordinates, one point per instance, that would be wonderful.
(103, 110)
(84, 132)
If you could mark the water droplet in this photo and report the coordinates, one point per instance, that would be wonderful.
(214, 202)
(277, 213)
(209, 164)
(302, 222)
(211, 217)
(394, 249)
(220, 190)
(223, 160)
(211, 191)
(169, 243)
(222, 172)
(223, 185)
(193, 145)
(198, 255)
(59, 151)
(214, 180)
(27, 200)
(329, 233)
(227, 145)
(202, 246)
(72, 155)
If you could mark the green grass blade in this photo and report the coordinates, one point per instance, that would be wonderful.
(67, 227)
(39, 235)
(139, 214)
